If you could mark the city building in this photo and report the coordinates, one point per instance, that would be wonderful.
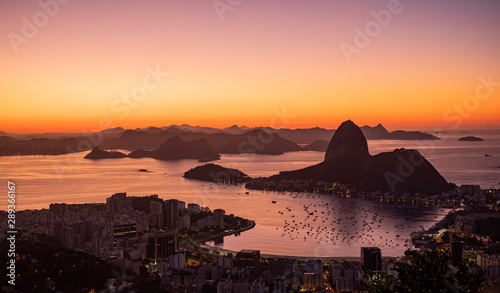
(219, 217)
(371, 258)
(456, 253)
(469, 189)
(161, 245)
(118, 203)
(170, 214)
(156, 214)
(248, 259)
(125, 230)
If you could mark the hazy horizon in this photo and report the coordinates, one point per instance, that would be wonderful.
(409, 64)
(414, 128)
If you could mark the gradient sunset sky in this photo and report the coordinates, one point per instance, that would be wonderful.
(261, 57)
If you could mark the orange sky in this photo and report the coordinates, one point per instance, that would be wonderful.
(261, 58)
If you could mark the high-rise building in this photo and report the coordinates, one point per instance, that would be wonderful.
(456, 253)
(248, 259)
(219, 217)
(162, 244)
(58, 209)
(470, 189)
(125, 230)
(170, 214)
(226, 261)
(280, 284)
(225, 286)
(371, 258)
(335, 270)
(259, 286)
(312, 281)
(84, 229)
(118, 203)
(68, 235)
(156, 214)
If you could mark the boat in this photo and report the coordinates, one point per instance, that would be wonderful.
(487, 155)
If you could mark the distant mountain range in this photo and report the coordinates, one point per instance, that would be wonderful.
(173, 149)
(234, 139)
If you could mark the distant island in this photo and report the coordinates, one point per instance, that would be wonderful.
(176, 149)
(318, 146)
(97, 154)
(470, 138)
(173, 149)
(348, 161)
(217, 173)
(379, 132)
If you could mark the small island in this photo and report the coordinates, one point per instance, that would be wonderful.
(177, 149)
(217, 173)
(317, 146)
(97, 154)
(470, 138)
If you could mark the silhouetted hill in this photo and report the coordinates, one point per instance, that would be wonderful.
(255, 141)
(470, 138)
(347, 161)
(200, 129)
(6, 139)
(377, 132)
(153, 130)
(97, 154)
(348, 141)
(234, 139)
(176, 149)
(235, 129)
(45, 146)
(410, 135)
(113, 132)
(139, 153)
(217, 173)
(318, 146)
(303, 135)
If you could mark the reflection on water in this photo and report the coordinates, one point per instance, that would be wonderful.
(297, 224)
(322, 225)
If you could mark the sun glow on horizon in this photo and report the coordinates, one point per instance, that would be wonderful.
(85, 63)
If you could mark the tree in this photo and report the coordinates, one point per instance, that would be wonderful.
(469, 277)
(425, 271)
(376, 282)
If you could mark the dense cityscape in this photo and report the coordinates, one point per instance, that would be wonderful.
(159, 245)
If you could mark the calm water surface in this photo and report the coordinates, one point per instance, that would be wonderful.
(297, 224)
